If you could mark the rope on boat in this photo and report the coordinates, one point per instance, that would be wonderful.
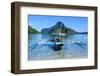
(81, 45)
(34, 45)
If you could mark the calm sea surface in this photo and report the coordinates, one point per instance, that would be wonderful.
(39, 47)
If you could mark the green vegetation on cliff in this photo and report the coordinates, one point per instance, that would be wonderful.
(32, 30)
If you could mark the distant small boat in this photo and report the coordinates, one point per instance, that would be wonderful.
(60, 34)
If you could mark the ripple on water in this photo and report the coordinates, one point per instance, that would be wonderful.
(69, 50)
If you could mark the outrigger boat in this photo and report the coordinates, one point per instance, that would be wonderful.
(57, 44)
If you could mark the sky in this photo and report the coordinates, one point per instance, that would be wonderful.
(79, 24)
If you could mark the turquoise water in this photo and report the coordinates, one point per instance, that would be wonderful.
(75, 47)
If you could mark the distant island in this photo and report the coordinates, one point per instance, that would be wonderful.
(59, 27)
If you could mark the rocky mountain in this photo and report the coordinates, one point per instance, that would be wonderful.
(59, 27)
(32, 30)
